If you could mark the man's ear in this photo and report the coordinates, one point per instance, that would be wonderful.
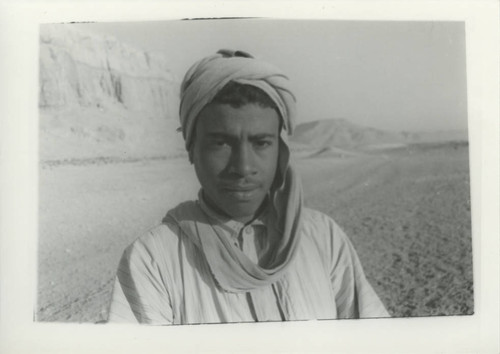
(191, 146)
(190, 154)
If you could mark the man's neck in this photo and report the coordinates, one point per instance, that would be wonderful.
(243, 219)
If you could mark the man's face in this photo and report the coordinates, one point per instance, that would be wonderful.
(235, 154)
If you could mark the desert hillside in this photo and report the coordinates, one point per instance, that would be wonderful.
(99, 97)
(341, 137)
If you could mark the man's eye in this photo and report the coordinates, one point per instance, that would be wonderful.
(262, 143)
(219, 143)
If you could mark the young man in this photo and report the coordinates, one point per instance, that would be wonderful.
(246, 250)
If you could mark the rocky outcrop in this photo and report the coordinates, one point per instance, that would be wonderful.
(99, 97)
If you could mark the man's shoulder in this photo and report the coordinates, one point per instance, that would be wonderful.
(315, 217)
(324, 233)
(318, 224)
(167, 234)
(185, 211)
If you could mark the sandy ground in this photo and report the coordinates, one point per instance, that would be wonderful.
(407, 213)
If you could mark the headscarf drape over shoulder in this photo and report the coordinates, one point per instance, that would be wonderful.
(231, 268)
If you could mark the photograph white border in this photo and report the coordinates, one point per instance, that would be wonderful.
(19, 192)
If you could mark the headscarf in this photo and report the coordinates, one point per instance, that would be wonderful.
(231, 268)
(208, 76)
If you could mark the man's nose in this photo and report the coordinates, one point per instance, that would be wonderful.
(242, 161)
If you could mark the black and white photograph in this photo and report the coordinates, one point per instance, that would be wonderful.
(326, 165)
(256, 171)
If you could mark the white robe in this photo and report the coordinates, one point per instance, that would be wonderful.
(164, 278)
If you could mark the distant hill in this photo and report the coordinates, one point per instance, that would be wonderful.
(343, 137)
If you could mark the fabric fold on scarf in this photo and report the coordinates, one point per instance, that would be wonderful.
(231, 268)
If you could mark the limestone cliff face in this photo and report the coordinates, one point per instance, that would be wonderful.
(99, 97)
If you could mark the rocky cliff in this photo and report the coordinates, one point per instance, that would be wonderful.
(102, 98)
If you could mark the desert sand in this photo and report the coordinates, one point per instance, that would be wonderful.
(407, 211)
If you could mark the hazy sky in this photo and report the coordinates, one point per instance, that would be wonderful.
(389, 75)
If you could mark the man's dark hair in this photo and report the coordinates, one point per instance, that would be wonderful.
(237, 95)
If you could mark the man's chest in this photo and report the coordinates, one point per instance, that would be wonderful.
(304, 292)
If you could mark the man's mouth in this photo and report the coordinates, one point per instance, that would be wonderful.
(242, 193)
